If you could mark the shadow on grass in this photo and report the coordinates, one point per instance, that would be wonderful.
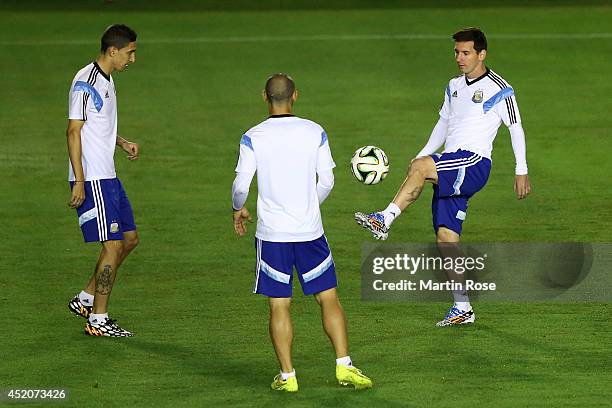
(250, 372)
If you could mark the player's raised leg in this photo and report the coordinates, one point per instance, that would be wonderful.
(334, 324)
(461, 311)
(281, 333)
(421, 170)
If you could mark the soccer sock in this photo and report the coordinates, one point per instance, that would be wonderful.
(86, 298)
(344, 361)
(284, 376)
(463, 305)
(98, 317)
(391, 213)
(460, 296)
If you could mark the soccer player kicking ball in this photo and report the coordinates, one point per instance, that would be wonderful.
(288, 153)
(475, 105)
(103, 209)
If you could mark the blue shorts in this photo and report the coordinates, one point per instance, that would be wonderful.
(275, 261)
(106, 212)
(461, 174)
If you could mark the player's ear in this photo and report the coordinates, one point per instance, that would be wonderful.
(294, 96)
(264, 95)
(482, 55)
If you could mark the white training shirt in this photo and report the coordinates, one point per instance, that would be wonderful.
(286, 152)
(92, 99)
(471, 114)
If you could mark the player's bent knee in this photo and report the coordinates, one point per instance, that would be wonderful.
(328, 295)
(131, 241)
(112, 250)
(113, 245)
(423, 165)
(447, 236)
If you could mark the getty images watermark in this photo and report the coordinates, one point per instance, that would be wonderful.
(491, 271)
(455, 267)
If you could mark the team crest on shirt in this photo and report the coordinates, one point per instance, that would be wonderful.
(478, 96)
(106, 96)
(114, 228)
(455, 94)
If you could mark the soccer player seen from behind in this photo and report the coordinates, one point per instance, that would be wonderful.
(475, 105)
(288, 153)
(103, 209)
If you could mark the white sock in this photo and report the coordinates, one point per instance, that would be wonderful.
(460, 295)
(463, 305)
(344, 361)
(86, 298)
(391, 213)
(284, 376)
(98, 318)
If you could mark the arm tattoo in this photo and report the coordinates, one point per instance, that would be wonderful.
(104, 280)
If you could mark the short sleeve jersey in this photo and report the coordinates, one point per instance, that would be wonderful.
(475, 109)
(286, 152)
(92, 99)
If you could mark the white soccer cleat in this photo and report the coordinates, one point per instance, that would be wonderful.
(375, 222)
(456, 317)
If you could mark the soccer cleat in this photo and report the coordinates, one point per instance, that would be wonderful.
(289, 385)
(78, 308)
(107, 328)
(456, 316)
(375, 222)
(350, 375)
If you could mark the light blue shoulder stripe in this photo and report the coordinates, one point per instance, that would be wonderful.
(246, 140)
(87, 88)
(448, 92)
(497, 98)
(323, 138)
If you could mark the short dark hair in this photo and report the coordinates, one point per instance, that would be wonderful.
(118, 36)
(279, 88)
(472, 34)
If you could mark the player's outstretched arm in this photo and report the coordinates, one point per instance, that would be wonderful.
(73, 135)
(132, 149)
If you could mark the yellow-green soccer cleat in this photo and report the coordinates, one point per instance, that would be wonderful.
(350, 375)
(289, 385)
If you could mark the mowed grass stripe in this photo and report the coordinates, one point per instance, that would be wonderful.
(334, 37)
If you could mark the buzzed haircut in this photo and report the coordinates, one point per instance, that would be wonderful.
(118, 36)
(279, 88)
(472, 34)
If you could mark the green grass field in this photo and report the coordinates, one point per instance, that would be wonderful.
(365, 75)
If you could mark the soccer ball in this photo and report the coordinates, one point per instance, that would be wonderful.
(370, 165)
